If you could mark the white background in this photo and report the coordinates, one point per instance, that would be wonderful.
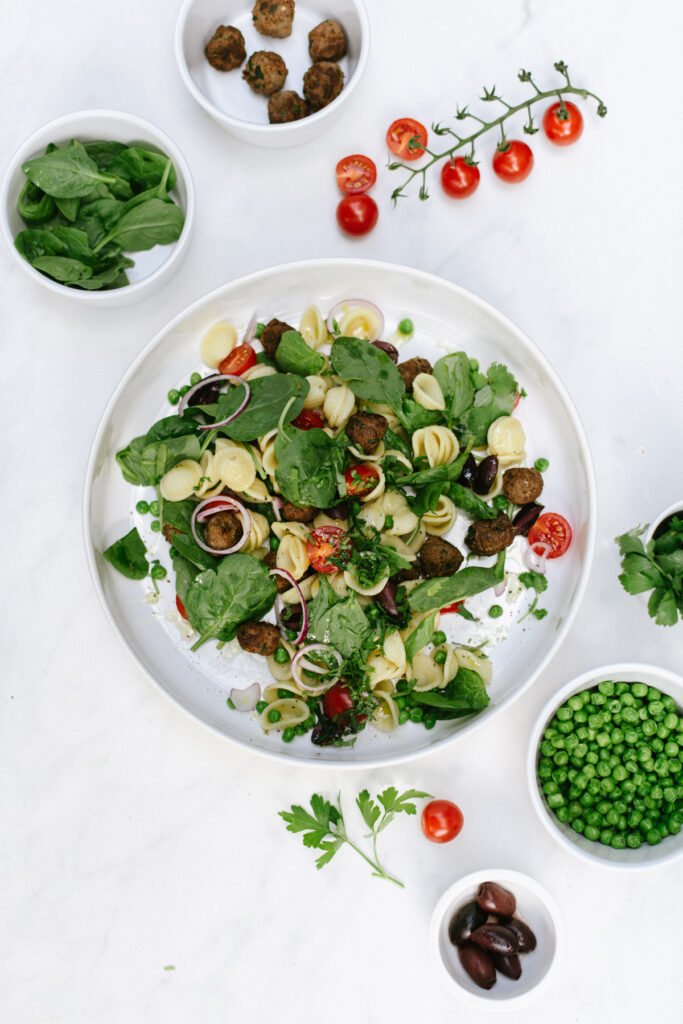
(132, 838)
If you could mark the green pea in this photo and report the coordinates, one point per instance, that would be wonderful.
(406, 327)
(578, 825)
(440, 657)
(653, 836)
(273, 542)
(309, 723)
(639, 690)
(575, 702)
(619, 841)
(403, 716)
(261, 706)
(284, 694)
(230, 703)
(388, 524)
(184, 389)
(195, 379)
(416, 715)
(495, 611)
(561, 757)
(173, 396)
(671, 749)
(281, 656)
(606, 836)
(288, 734)
(429, 721)
(142, 507)
(591, 832)
(563, 814)
(606, 688)
(155, 526)
(274, 715)
(563, 714)
(157, 572)
(541, 465)
(671, 721)
(501, 503)
(633, 840)
(439, 637)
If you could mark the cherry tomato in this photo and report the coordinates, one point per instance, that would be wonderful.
(514, 163)
(308, 419)
(181, 609)
(337, 700)
(553, 529)
(240, 359)
(455, 607)
(563, 130)
(357, 215)
(327, 542)
(441, 821)
(459, 179)
(360, 480)
(356, 174)
(401, 133)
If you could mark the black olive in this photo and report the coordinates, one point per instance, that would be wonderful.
(387, 347)
(469, 470)
(495, 938)
(526, 940)
(486, 474)
(525, 518)
(494, 899)
(465, 921)
(478, 965)
(507, 964)
(340, 511)
(387, 599)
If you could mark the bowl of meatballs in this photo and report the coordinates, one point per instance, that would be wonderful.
(273, 73)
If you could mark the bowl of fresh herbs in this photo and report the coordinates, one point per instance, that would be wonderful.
(98, 205)
(652, 565)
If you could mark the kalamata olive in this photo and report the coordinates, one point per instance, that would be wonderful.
(465, 921)
(387, 347)
(525, 518)
(495, 938)
(526, 940)
(340, 511)
(387, 598)
(486, 474)
(469, 470)
(509, 965)
(494, 899)
(478, 965)
(207, 395)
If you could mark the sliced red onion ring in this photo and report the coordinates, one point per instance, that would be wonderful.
(213, 379)
(351, 303)
(537, 555)
(277, 504)
(209, 507)
(300, 661)
(246, 699)
(283, 574)
(501, 587)
(250, 331)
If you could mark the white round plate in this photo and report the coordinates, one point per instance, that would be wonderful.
(446, 318)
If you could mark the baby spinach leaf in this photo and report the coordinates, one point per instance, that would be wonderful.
(496, 398)
(293, 355)
(469, 502)
(33, 206)
(68, 208)
(145, 463)
(185, 574)
(426, 499)
(98, 217)
(464, 695)
(171, 426)
(103, 152)
(368, 371)
(152, 223)
(310, 464)
(65, 173)
(443, 590)
(33, 243)
(177, 514)
(112, 277)
(128, 556)
(453, 374)
(340, 623)
(392, 442)
(142, 167)
(63, 269)
(421, 636)
(268, 399)
(219, 601)
(414, 417)
(437, 474)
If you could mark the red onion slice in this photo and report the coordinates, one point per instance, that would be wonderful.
(300, 661)
(351, 304)
(500, 589)
(246, 699)
(209, 507)
(283, 574)
(537, 555)
(277, 504)
(250, 331)
(213, 379)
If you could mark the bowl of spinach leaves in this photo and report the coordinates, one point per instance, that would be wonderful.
(98, 205)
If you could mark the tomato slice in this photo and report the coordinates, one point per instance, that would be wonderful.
(240, 359)
(181, 609)
(337, 700)
(328, 542)
(406, 138)
(308, 419)
(356, 174)
(360, 480)
(553, 529)
(442, 821)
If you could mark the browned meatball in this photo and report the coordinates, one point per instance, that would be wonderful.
(258, 637)
(403, 575)
(489, 536)
(327, 41)
(223, 530)
(438, 557)
(522, 486)
(170, 532)
(298, 513)
(280, 582)
(225, 50)
(286, 106)
(366, 430)
(265, 72)
(411, 368)
(270, 339)
(322, 83)
(273, 17)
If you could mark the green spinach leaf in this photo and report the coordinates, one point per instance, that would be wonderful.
(469, 502)
(63, 269)
(310, 464)
(341, 623)
(368, 371)
(219, 601)
(152, 223)
(293, 355)
(129, 556)
(65, 173)
(144, 462)
(421, 636)
(464, 695)
(453, 374)
(443, 590)
(496, 398)
(268, 400)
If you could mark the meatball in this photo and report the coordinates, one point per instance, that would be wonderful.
(322, 83)
(270, 339)
(287, 106)
(265, 72)
(522, 486)
(403, 575)
(273, 17)
(327, 41)
(225, 50)
(170, 532)
(366, 430)
(489, 536)
(298, 513)
(223, 530)
(411, 368)
(258, 637)
(438, 557)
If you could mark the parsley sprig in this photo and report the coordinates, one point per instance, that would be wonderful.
(324, 828)
(658, 567)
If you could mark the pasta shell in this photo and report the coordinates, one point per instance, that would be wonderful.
(427, 392)
(438, 444)
(217, 343)
(293, 711)
(180, 482)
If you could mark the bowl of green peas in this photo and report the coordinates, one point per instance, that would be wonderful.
(605, 765)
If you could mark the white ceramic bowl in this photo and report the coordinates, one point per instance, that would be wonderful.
(676, 507)
(645, 856)
(535, 906)
(447, 318)
(153, 268)
(228, 98)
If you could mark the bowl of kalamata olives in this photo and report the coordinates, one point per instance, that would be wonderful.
(495, 936)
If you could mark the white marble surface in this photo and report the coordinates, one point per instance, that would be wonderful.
(132, 838)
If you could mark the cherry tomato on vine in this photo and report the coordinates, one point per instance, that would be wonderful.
(402, 133)
(441, 821)
(308, 419)
(514, 163)
(337, 700)
(360, 480)
(328, 542)
(181, 609)
(238, 361)
(563, 123)
(459, 179)
(553, 529)
(357, 215)
(356, 174)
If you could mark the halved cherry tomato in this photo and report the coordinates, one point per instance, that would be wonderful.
(181, 609)
(459, 179)
(553, 529)
(406, 138)
(308, 419)
(441, 821)
(328, 542)
(360, 480)
(455, 607)
(357, 215)
(563, 130)
(337, 700)
(240, 359)
(356, 174)
(514, 163)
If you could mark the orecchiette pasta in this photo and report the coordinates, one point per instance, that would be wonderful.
(268, 456)
(258, 532)
(359, 322)
(390, 662)
(385, 717)
(476, 662)
(375, 456)
(506, 439)
(338, 406)
(398, 544)
(217, 343)
(377, 490)
(393, 504)
(234, 465)
(353, 584)
(260, 370)
(258, 492)
(180, 482)
(299, 530)
(430, 676)
(210, 483)
(282, 673)
(317, 388)
(336, 581)
(427, 392)
(438, 444)
(292, 712)
(292, 556)
(313, 328)
(441, 519)
(305, 586)
(383, 410)
(322, 519)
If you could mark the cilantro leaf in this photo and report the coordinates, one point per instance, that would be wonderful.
(631, 543)
(368, 808)
(394, 804)
(534, 580)
(662, 607)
